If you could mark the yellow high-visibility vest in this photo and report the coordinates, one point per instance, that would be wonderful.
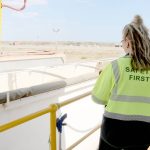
(124, 91)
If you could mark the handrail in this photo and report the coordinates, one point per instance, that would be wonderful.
(71, 100)
(24, 119)
(83, 138)
(52, 110)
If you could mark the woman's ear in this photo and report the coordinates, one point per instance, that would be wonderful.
(128, 44)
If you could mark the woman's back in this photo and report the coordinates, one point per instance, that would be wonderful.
(123, 87)
(130, 96)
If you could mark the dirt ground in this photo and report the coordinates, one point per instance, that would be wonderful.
(70, 51)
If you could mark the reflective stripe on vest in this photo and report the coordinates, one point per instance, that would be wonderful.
(127, 117)
(125, 98)
(97, 100)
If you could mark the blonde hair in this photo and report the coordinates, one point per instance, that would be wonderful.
(138, 35)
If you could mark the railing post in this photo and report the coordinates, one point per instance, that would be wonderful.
(53, 108)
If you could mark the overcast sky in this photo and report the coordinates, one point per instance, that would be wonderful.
(71, 20)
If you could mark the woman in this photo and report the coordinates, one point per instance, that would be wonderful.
(124, 88)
